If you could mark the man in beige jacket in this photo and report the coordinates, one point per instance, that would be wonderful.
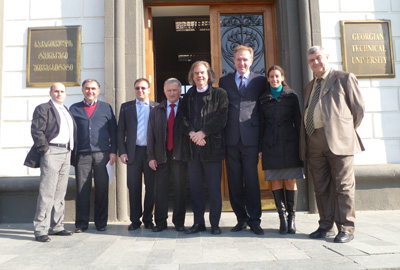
(334, 109)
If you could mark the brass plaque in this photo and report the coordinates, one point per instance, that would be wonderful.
(367, 48)
(54, 55)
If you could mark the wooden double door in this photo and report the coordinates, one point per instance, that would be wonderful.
(175, 40)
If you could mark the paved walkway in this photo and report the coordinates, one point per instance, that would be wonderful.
(376, 246)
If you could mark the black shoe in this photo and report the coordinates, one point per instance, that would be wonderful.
(321, 233)
(63, 233)
(343, 237)
(180, 228)
(239, 226)
(149, 225)
(257, 229)
(159, 228)
(80, 230)
(43, 238)
(101, 229)
(133, 226)
(196, 228)
(215, 230)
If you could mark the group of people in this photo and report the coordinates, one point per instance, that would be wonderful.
(249, 116)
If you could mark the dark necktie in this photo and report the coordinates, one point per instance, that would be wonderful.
(171, 120)
(242, 86)
(311, 108)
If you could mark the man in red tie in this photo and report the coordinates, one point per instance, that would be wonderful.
(167, 155)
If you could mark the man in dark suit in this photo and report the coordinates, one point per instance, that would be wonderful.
(132, 145)
(54, 133)
(242, 131)
(167, 153)
(96, 146)
(334, 108)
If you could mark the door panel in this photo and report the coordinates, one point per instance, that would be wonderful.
(231, 25)
(249, 25)
(149, 50)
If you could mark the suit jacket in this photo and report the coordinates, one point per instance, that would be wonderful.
(157, 134)
(45, 127)
(342, 110)
(127, 129)
(243, 117)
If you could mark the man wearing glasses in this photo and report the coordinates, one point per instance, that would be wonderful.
(96, 146)
(132, 145)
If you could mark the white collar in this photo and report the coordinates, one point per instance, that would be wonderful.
(202, 90)
(169, 103)
(56, 104)
(246, 75)
(146, 102)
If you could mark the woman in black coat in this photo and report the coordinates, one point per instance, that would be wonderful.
(280, 119)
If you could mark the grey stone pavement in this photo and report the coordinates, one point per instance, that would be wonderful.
(376, 246)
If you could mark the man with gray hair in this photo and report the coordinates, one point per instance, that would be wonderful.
(334, 109)
(167, 153)
(97, 145)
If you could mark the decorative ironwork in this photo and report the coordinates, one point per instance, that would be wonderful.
(242, 29)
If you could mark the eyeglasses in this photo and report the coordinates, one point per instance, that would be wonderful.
(140, 87)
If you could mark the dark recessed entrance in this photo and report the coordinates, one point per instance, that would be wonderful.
(178, 43)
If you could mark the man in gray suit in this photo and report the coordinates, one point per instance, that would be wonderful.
(244, 87)
(334, 109)
(54, 133)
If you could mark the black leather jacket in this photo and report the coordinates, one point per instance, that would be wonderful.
(214, 115)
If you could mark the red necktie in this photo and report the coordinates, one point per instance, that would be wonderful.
(171, 120)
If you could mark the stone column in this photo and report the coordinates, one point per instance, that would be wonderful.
(124, 63)
(310, 33)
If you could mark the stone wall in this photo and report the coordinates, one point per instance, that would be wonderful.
(17, 102)
(380, 129)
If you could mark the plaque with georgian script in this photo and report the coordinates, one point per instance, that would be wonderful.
(367, 49)
(54, 55)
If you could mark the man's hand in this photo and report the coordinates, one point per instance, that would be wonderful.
(198, 137)
(113, 158)
(153, 164)
(124, 158)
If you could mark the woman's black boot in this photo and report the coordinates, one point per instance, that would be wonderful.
(291, 199)
(280, 207)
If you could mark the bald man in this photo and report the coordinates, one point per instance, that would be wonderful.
(54, 133)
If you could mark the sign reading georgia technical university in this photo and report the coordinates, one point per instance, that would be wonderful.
(367, 48)
(54, 55)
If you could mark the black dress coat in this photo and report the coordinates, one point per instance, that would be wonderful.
(157, 134)
(280, 130)
(45, 127)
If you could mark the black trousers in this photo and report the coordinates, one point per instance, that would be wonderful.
(244, 186)
(210, 172)
(176, 171)
(135, 171)
(91, 165)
